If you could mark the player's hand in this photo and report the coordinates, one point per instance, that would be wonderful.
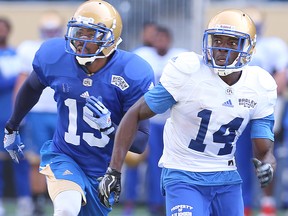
(99, 114)
(264, 172)
(13, 144)
(110, 184)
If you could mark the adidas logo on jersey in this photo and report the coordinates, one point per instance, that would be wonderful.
(228, 103)
(85, 94)
(67, 172)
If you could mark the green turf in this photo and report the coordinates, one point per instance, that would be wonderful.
(141, 210)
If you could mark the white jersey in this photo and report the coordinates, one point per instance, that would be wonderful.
(26, 52)
(209, 115)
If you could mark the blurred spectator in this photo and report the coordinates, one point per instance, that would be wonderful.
(148, 34)
(272, 55)
(40, 123)
(9, 68)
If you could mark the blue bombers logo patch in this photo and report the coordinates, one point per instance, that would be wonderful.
(119, 82)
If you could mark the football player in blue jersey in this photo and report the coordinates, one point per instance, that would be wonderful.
(212, 98)
(95, 84)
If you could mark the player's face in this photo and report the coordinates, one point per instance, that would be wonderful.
(222, 54)
(85, 34)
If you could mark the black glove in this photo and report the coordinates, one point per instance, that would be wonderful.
(110, 183)
(264, 172)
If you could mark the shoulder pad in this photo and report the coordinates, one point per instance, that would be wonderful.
(186, 62)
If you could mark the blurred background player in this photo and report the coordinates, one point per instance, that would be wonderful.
(148, 34)
(40, 123)
(157, 56)
(272, 55)
(9, 69)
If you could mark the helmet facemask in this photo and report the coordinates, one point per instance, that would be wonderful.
(244, 51)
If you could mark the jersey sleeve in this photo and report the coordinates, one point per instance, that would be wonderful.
(159, 99)
(38, 69)
(178, 71)
(49, 53)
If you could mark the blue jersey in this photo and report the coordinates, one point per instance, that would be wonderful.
(120, 83)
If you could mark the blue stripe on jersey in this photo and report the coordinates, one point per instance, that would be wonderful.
(159, 99)
(263, 128)
(173, 176)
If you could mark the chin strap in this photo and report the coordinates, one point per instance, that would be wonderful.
(225, 72)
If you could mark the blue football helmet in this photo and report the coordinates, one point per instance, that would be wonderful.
(235, 24)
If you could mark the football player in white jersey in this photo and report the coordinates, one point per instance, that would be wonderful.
(212, 98)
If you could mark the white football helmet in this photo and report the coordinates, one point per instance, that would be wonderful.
(231, 23)
(105, 24)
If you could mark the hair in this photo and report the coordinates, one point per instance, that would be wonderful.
(149, 23)
(164, 30)
(6, 22)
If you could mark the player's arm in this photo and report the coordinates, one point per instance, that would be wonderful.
(156, 101)
(27, 97)
(127, 130)
(110, 184)
(263, 139)
(19, 82)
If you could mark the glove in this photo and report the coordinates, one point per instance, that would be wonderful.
(99, 114)
(264, 172)
(110, 184)
(13, 144)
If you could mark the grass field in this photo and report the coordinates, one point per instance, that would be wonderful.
(117, 211)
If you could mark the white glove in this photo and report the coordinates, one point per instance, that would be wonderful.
(13, 144)
(264, 172)
(99, 114)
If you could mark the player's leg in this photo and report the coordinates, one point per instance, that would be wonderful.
(227, 201)
(67, 203)
(64, 174)
(187, 199)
